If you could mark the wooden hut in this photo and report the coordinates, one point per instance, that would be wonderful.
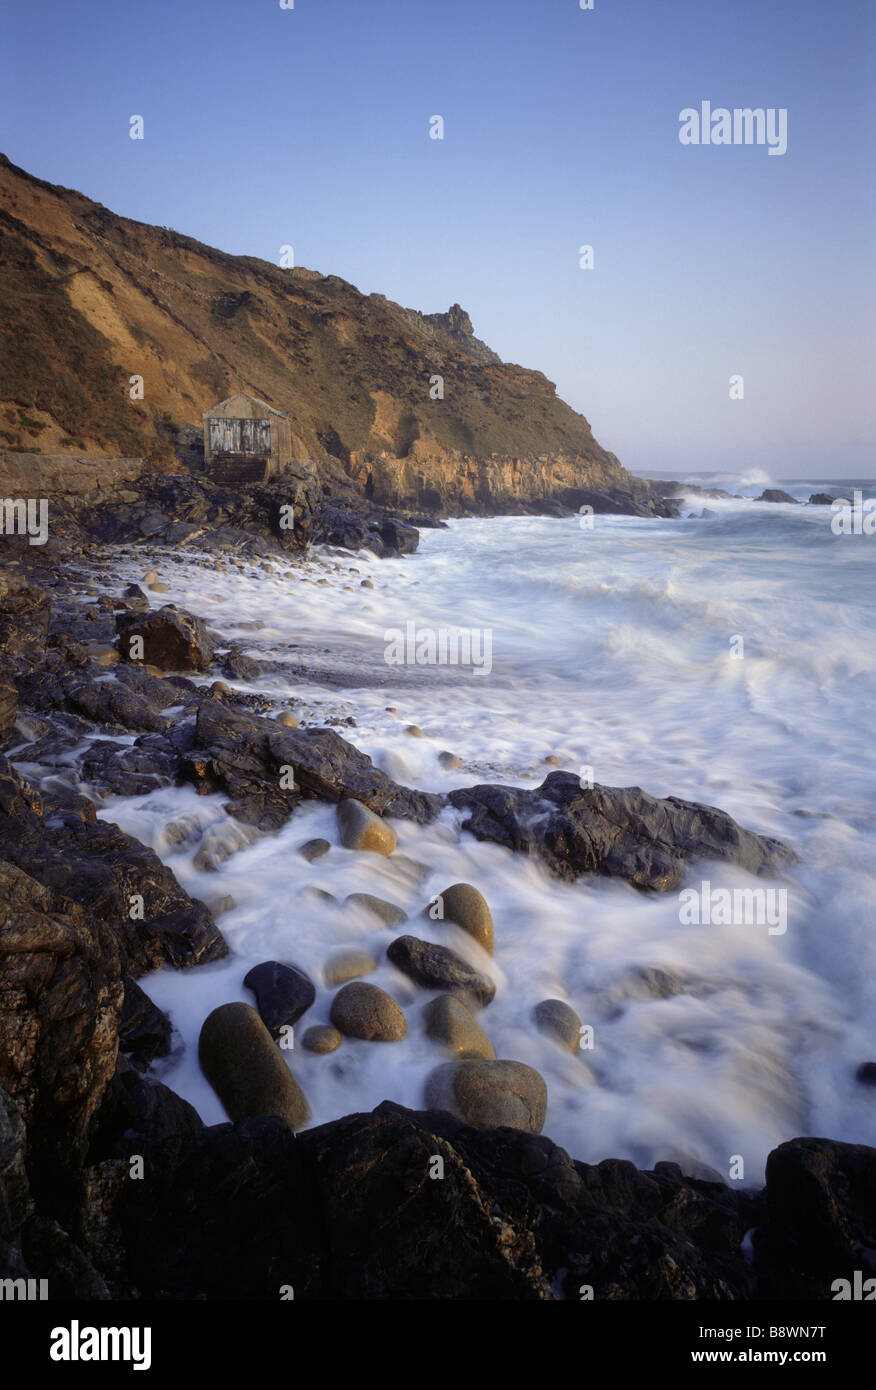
(246, 440)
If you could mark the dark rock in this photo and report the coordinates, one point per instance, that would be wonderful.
(621, 832)
(172, 639)
(866, 1073)
(821, 499)
(437, 967)
(314, 849)
(144, 1031)
(283, 993)
(775, 494)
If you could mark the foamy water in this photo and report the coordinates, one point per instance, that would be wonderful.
(612, 648)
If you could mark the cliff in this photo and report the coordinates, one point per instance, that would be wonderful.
(90, 299)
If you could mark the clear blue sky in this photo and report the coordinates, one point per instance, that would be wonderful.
(309, 127)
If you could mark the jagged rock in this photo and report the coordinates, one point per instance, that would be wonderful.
(96, 864)
(558, 1019)
(283, 993)
(246, 1069)
(61, 997)
(243, 755)
(467, 908)
(622, 832)
(437, 967)
(451, 1024)
(172, 639)
(490, 1094)
(144, 1031)
(367, 1011)
(821, 499)
(775, 494)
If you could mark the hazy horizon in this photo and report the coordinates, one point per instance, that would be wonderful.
(266, 127)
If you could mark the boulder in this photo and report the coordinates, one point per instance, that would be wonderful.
(321, 1038)
(368, 1012)
(390, 914)
(313, 849)
(361, 829)
(247, 1071)
(172, 639)
(348, 964)
(283, 993)
(775, 494)
(559, 1020)
(821, 499)
(467, 908)
(451, 1024)
(437, 967)
(144, 1031)
(490, 1094)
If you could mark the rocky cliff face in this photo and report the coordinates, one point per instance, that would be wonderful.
(415, 409)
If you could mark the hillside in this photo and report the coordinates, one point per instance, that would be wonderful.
(90, 299)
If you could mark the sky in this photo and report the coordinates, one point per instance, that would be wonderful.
(309, 127)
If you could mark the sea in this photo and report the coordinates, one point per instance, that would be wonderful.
(726, 658)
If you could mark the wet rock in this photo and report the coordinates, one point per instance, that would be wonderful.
(8, 709)
(246, 1069)
(361, 829)
(559, 1020)
(866, 1073)
(390, 914)
(775, 494)
(821, 499)
(287, 720)
(620, 832)
(490, 1094)
(348, 964)
(415, 731)
(467, 908)
(144, 1031)
(366, 1011)
(220, 842)
(437, 967)
(314, 849)
(449, 761)
(451, 1024)
(172, 639)
(321, 1038)
(283, 993)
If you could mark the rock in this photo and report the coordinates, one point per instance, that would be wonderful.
(559, 1021)
(321, 1038)
(866, 1073)
(348, 964)
(172, 639)
(283, 993)
(490, 1094)
(313, 849)
(451, 1024)
(467, 908)
(8, 710)
(643, 982)
(144, 1031)
(775, 494)
(821, 499)
(415, 731)
(158, 588)
(288, 720)
(366, 1011)
(437, 967)
(552, 759)
(390, 914)
(246, 1069)
(150, 577)
(449, 761)
(620, 832)
(365, 584)
(241, 754)
(361, 829)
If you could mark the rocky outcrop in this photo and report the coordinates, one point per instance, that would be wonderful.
(617, 831)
